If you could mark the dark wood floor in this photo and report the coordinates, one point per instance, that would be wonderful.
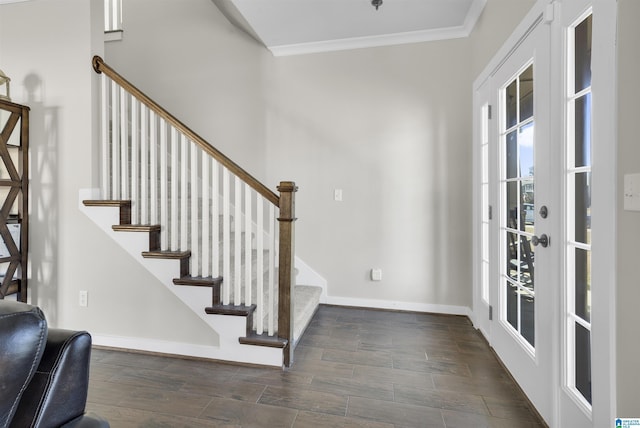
(353, 368)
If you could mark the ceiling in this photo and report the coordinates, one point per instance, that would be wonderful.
(290, 27)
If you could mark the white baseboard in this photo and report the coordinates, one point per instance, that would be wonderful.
(398, 306)
(258, 356)
(152, 345)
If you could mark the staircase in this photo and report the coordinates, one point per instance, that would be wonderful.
(202, 225)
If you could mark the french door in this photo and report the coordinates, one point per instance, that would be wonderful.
(525, 282)
(537, 287)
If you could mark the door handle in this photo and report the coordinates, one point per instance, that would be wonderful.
(542, 240)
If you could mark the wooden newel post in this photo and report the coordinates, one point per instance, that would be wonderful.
(286, 266)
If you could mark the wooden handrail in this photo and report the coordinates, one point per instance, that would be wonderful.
(101, 67)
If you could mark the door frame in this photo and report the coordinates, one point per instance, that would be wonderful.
(604, 195)
(482, 310)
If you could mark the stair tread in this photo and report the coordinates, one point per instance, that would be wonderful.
(106, 203)
(241, 310)
(263, 340)
(166, 254)
(207, 281)
(124, 207)
(136, 227)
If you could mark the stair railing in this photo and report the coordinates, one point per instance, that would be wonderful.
(204, 202)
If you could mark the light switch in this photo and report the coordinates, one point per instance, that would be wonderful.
(376, 274)
(632, 192)
(337, 195)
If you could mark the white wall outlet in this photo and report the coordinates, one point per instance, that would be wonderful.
(337, 195)
(83, 298)
(376, 274)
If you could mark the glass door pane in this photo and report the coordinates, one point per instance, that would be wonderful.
(518, 195)
(578, 282)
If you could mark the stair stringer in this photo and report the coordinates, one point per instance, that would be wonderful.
(228, 328)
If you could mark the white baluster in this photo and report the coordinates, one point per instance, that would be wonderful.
(226, 235)
(153, 168)
(104, 137)
(214, 199)
(184, 200)
(164, 185)
(124, 144)
(272, 262)
(237, 242)
(260, 263)
(144, 164)
(205, 248)
(174, 202)
(115, 142)
(197, 220)
(135, 147)
(248, 256)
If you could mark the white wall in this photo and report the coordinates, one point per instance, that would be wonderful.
(390, 127)
(46, 48)
(628, 222)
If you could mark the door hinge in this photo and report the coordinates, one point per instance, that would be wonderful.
(490, 212)
(490, 313)
(489, 111)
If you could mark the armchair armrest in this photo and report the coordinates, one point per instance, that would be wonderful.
(57, 393)
(23, 332)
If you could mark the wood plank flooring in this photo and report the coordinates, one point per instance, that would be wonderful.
(353, 368)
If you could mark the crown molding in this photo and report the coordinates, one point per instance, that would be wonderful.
(368, 42)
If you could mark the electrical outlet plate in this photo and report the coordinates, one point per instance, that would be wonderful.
(83, 298)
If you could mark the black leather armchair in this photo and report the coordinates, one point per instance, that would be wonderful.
(44, 373)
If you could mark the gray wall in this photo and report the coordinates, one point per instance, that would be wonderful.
(628, 222)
